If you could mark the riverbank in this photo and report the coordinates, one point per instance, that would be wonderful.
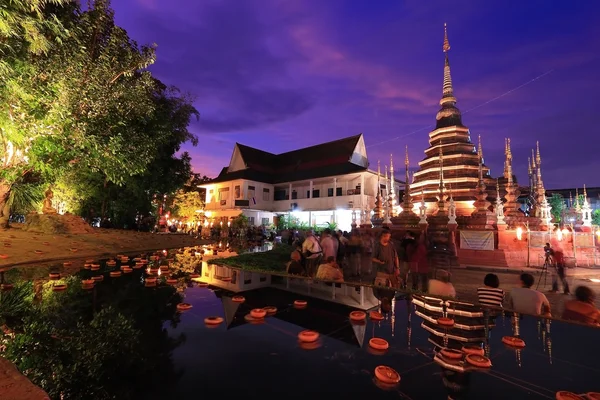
(18, 247)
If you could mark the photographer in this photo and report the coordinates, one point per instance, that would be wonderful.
(559, 263)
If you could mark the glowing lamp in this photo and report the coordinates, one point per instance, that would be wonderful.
(598, 234)
(565, 231)
(206, 223)
(228, 224)
(559, 235)
(519, 233)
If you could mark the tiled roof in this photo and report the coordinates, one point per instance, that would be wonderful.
(326, 159)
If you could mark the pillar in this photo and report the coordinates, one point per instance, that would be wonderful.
(310, 190)
(362, 191)
(290, 192)
(334, 187)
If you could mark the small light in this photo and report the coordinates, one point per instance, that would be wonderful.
(519, 233)
(595, 280)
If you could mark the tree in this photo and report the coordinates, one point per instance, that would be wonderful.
(557, 202)
(88, 102)
(596, 217)
(187, 204)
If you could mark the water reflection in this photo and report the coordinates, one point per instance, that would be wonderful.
(125, 340)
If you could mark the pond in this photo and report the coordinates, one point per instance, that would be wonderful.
(124, 340)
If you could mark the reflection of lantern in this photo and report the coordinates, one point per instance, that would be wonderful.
(228, 224)
(520, 233)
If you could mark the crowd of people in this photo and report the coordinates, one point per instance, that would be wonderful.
(403, 264)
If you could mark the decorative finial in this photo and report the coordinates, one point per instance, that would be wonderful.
(406, 157)
(391, 162)
(479, 148)
(538, 158)
(446, 45)
(497, 188)
(378, 168)
(533, 164)
(529, 171)
(508, 150)
(584, 192)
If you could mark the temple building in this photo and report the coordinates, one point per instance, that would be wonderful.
(451, 141)
(317, 185)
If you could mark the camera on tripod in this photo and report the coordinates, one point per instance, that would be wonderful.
(548, 252)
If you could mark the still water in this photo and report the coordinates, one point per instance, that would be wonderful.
(123, 340)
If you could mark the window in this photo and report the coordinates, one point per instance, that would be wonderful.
(223, 194)
(279, 195)
(294, 195)
(338, 191)
(316, 193)
(251, 191)
(266, 221)
(251, 221)
(330, 192)
(211, 195)
(266, 195)
(237, 192)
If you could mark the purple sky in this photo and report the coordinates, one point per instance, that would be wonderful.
(284, 74)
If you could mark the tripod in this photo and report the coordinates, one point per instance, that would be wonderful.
(548, 262)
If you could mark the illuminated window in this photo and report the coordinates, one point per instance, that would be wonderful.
(251, 191)
(223, 193)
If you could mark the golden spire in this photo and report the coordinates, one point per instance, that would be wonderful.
(378, 169)
(533, 164)
(406, 164)
(508, 150)
(479, 149)
(584, 193)
(446, 45)
(529, 171)
(538, 158)
(406, 157)
(447, 89)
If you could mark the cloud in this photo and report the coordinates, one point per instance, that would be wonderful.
(222, 55)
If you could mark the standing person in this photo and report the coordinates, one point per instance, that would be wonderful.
(419, 266)
(525, 300)
(490, 294)
(385, 260)
(313, 252)
(354, 248)
(328, 244)
(559, 273)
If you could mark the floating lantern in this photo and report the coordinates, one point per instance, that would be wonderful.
(54, 276)
(513, 342)
(358, 316)
(213, 320)
(238, 299)
(251, 320)
(308, 336)
(258, 313)
(115, 274)
(95, 267)
(150, 282)
(184, 306)
(445, 322)
(376, 316)
(73, 249)
(111, 263)
(452, 354)
(473, 349)
(67, 264)
(387, 375)
(171, 281)
(478, 361)
(309, 345)
(126, 270)
(98, 278)
(379, 344)
(59, 288)
(270, 310)
(154, 271)
(300, 304)
(36, 251)
(564, 395)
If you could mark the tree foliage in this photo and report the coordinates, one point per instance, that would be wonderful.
(557, 202)
(77, 104)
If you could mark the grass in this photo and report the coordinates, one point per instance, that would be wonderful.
(269, 261)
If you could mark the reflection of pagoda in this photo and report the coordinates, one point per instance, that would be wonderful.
(461, 161)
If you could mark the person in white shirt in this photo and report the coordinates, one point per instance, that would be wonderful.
(330, 271)
(441, 286)
(313, 252)
(525, 300)
(329, 245)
